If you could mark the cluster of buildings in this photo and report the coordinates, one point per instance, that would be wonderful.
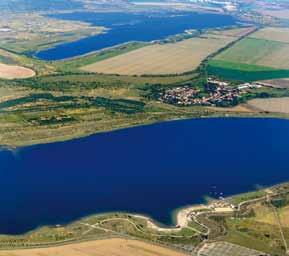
(180, 95)
(216, 93)
(223, 206)
(249, 86)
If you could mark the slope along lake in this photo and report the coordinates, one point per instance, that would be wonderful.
(151, 170)
(127, 27)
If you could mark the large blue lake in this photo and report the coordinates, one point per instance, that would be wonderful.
(151, 170)
(126, 27)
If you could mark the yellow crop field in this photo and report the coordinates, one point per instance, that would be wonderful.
(109, 247)
(273, 34)
(171, 58)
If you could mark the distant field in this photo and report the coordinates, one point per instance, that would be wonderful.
(12, 72)
(109, 247)
(273, 34)
(277, 83)
(278, 105)
(261, 56)
(258, 52)
(266, 215)
(235, 32)
(244, 72)
(281, 14)
(171, 58)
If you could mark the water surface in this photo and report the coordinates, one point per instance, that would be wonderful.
(126, 27)
(151, 170)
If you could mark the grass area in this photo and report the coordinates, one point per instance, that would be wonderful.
(99, 227)
(247, 196)
(253, 234)
(255, 57)
(249, 51)
(243, 72)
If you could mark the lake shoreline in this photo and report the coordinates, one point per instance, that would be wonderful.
(215, 116)
(196, 185)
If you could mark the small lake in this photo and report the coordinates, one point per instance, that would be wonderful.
(126, 27)
(149, 169)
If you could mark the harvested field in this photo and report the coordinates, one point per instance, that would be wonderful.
(277, 105)
(171, 58)
(273, 34)
(13, 72)
(109, 247)
(276, 83)
(258, 52)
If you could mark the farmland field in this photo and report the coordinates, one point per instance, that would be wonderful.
(120, 247)
(273, 34)
(277, 83)
(244, 72)
(266, 215)
(280, 105)
(171, 58)
(259, 52)
(262, 55)
(281, 14)
(12, 72)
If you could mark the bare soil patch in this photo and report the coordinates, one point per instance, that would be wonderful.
(13, 72)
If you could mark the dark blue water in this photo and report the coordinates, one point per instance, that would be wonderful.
(125, 27)
(151, 170)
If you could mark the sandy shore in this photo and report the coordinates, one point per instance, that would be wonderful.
(182, 219)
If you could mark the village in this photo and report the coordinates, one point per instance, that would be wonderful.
(217, 93)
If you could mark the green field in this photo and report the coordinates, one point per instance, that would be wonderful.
(250, 60)
(249, 51)
(243, 72)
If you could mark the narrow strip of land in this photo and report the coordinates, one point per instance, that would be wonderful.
(107, 247)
